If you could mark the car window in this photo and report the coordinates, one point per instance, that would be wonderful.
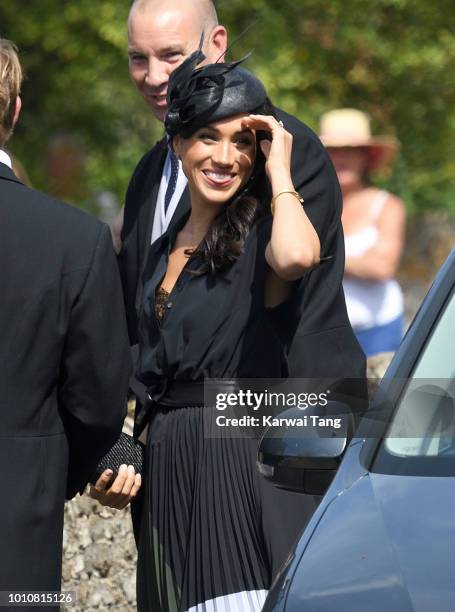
(438, 357)
(423, 425)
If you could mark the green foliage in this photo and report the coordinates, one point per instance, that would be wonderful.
(77, 87)
(392, 58)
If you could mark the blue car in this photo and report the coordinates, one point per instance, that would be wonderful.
(383, 537)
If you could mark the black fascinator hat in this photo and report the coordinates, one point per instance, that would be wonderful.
(199, 96)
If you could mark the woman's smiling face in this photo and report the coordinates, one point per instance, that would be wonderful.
(218, 159)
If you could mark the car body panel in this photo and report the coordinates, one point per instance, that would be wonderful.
(379, 542)
(349, 563)
(369, 549)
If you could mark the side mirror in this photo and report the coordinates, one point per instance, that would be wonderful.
(305, 457)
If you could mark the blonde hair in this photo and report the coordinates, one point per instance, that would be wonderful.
(10, 86)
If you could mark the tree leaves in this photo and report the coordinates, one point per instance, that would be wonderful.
(392, 58)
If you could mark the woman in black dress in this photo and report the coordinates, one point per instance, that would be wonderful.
(213, 532)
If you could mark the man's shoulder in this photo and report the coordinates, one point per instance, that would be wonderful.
(72, 218)
(149, 159)
(146, 173)
(62, 223)
(308, 151)
(298, 128)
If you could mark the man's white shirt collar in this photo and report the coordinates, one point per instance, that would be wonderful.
(5, 158)
(162, 219)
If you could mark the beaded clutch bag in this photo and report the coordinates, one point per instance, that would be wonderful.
(125, 451)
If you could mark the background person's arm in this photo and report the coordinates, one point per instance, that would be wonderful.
(381, 261)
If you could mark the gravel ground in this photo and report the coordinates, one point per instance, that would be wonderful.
(99, 553)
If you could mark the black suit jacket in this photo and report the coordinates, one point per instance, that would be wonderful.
(320, 340)
(64, 373)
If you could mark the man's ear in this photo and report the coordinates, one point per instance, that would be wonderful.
(17, 110)
(218, 43)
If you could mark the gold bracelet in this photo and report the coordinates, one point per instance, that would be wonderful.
(294, 193)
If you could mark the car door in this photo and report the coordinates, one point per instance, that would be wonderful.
(382, 537)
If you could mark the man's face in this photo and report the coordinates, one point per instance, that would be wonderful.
(159, 40)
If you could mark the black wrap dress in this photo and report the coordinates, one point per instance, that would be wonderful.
(213, 532)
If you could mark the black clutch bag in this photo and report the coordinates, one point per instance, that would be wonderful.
(125, 451)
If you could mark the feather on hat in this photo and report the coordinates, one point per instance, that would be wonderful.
(197, 96)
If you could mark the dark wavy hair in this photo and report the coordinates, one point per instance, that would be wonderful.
(198, 96)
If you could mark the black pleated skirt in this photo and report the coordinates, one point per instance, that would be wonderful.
(213, 531)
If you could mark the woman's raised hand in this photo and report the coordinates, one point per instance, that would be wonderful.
(277, 150)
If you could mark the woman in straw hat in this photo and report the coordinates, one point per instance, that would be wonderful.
(374, 224)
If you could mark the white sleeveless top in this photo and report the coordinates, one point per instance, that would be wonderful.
(370, 303)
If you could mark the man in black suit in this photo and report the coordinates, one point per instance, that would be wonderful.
(161, 34)
(64, 357)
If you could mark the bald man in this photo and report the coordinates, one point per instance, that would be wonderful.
(161, 34)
